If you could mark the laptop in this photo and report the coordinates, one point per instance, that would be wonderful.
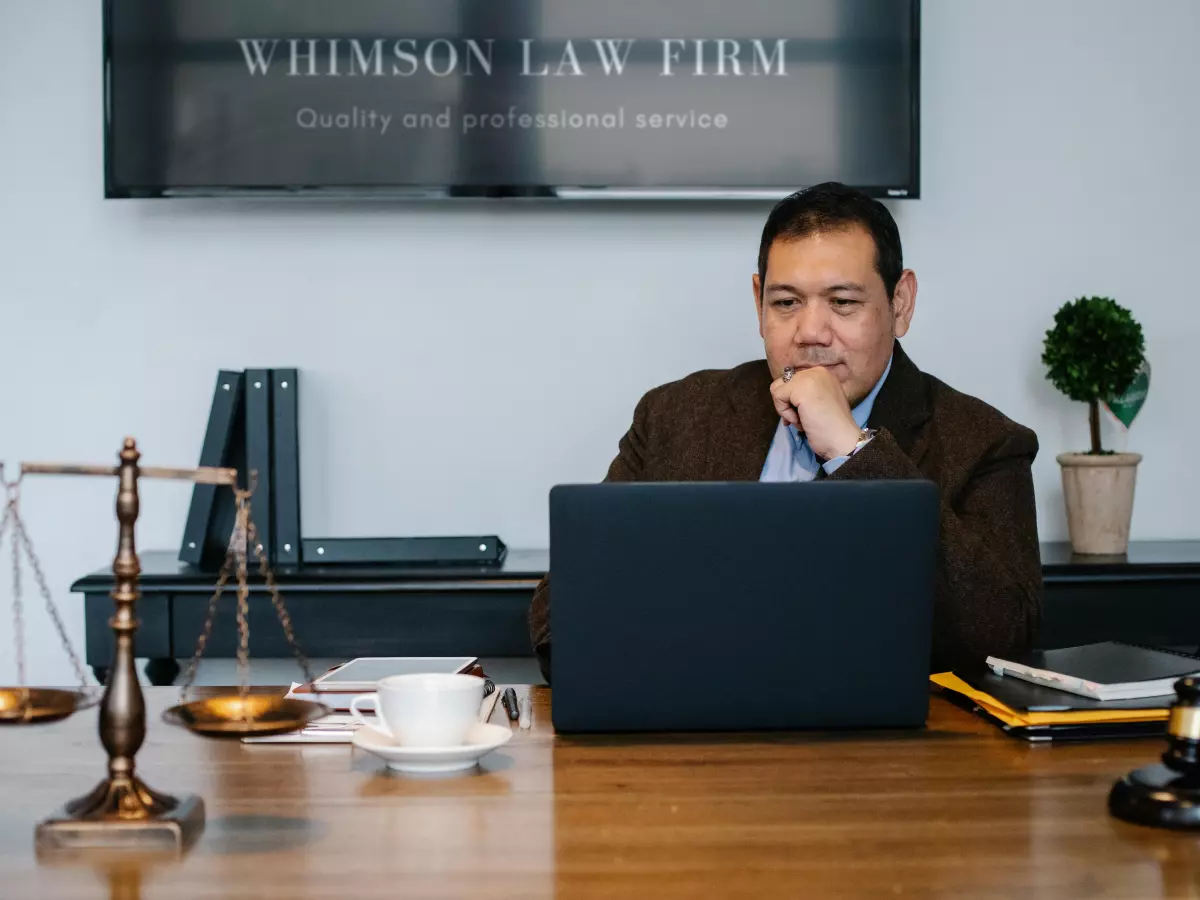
(680, 606)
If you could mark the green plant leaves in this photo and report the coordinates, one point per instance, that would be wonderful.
(1094, 350)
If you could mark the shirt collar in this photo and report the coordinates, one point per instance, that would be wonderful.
(861, 412)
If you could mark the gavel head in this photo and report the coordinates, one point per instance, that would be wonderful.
(1183, 729)
(1167, 795)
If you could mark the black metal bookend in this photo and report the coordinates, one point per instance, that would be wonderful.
(1167, 794)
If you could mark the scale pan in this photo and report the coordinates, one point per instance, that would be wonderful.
(37, 706)
(233, 716)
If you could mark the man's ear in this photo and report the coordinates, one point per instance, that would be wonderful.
(756, 286)
(904, 302)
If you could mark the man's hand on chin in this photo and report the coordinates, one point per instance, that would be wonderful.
(815, 403)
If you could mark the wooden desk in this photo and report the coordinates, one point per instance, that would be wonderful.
(954, 811)
(1151, 596)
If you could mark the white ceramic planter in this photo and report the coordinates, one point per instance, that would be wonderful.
(1099, 493)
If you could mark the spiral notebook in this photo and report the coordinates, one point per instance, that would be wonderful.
(1111, 670)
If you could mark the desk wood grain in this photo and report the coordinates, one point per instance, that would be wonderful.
(955, 810)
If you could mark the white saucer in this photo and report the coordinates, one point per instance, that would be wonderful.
(481, 740)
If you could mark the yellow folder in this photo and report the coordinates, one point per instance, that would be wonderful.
(1010, 716)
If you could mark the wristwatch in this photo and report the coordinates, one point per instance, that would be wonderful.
(864, 438)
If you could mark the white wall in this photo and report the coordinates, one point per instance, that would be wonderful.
(457, 362)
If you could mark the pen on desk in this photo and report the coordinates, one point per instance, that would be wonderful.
(526, 711)
(510, 703)
(488, 704)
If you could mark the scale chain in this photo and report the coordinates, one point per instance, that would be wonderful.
(4, 520)
(10, 514)
(243, 608)
(280, 610)
(21, 541)
(190, 676)
(244, 638)
(39, 577)
(237, 560)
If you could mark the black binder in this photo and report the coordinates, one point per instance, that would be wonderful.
(258, 461)
(211, 516)
(285, 475)
(481, 550)
(254, 427)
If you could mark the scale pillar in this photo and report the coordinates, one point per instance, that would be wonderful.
(122, 812)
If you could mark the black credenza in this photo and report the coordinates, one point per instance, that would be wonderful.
(1151, 596)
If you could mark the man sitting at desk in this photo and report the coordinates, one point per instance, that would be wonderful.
(837, 397)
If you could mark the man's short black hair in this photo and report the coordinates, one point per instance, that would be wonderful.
(833, 207)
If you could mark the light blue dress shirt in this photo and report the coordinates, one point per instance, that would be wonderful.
(791, 459)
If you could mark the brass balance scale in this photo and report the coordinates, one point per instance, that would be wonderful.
(122, 812)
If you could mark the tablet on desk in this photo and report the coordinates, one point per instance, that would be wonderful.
(363, 673)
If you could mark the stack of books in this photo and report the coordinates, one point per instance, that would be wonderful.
(1103, 690)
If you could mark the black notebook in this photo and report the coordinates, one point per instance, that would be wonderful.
(1112, 670)
(1027, 697)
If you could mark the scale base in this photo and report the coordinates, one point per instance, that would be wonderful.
(123, 815)
(1157, 796)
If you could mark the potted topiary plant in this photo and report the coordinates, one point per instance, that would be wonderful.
(1093, 354)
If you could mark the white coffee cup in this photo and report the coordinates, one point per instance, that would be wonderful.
(424, 710)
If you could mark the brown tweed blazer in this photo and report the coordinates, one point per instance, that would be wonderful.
(717, 425)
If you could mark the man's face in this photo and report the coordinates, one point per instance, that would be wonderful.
(824, 304)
